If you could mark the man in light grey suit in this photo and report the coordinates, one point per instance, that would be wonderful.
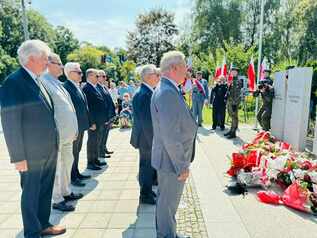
(174, 133)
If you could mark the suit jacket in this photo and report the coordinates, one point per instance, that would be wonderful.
(96, 105)
(142, 130)
(174, 130)
(80, 103)
(27, 119)
(110, 107)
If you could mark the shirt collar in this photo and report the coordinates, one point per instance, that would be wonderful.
(173, 82)
(33, 75)
(76, 84)
(145, 84)
(92, 84)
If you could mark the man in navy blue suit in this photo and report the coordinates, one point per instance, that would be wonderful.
(142, 131)
(98, 117)
(74, 76)
(27, 116)
(111, 113)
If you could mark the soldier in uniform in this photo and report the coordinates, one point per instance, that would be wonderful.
(218, 101)
(267, 93)
(233, 101)
(267, 77)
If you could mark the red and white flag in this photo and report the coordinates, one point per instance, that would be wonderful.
(263, 67)
(251, 76)
(217, 72)
(224, 67)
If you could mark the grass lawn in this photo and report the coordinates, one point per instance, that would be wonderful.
(207, 117)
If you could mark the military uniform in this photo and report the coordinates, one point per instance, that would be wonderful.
(265, 112)
(233, 101)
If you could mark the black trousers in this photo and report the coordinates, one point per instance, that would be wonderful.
(146, 173)
(104, 139)
(218, 116)
(93, 144)
(77, 144)
(37, 187)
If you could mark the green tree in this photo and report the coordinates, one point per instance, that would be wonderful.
(154, 35)
(87, 56)
(65, 42)
(7, 64)
(215, 22)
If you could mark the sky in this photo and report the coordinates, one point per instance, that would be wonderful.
(105, 22)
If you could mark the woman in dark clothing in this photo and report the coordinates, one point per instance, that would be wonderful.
(218, 101)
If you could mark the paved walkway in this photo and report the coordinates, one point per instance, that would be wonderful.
(110, 207)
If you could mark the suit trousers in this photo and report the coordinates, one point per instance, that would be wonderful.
(103, 144)
(197, 109)
(77, 144)
(146, 173)
(93, 144)
(62, 182)
(169, 194)
(37, 186)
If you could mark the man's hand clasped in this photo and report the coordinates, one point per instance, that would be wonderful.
(183, 176)
(21, 166)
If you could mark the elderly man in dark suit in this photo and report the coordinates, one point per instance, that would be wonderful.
(98, 118)
(31, 135)
(174, 130)
(111, 113)
(74, 75)
(142, 131)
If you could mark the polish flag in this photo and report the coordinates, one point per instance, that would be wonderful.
(251, 76)
(224, 67)
(263, 67)
(230, 76)
(217, 72)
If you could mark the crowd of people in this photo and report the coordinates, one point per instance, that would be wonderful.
(44, 121)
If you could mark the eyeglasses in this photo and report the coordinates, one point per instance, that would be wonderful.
(78, 72)
(59, 64)
(102, 76)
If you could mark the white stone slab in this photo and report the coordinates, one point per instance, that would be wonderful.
(279, 103)
(297, 106)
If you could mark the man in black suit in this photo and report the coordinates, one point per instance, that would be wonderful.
(27, 116)
(142, 131)
(98, 118)
(111, 113)
(74, 76)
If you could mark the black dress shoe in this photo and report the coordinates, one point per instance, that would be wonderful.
(155, 183)
(62, 206)
(73, 196)
(222, 129)
(78, 183)
(82, 176)
(200, 125)
(228, 133)
(99, 163)
(147, 200)
(232, 136)
(93, 167)
(105, 156)
(109, 152)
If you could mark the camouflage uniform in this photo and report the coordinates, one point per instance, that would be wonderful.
(265, 112)
(233, 101)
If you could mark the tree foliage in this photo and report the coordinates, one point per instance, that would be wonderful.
(154, 35)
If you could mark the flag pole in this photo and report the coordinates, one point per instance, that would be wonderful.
(259, 61)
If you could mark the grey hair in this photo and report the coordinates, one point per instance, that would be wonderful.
(30, 48)
(102, 71)
(70, 66)
(171, 59)
(91, 70)
(147, 69)
(52, 56)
